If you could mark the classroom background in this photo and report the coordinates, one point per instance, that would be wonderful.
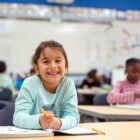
(99, 35)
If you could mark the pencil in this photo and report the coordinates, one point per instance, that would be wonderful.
(93, 129)
(43, 111)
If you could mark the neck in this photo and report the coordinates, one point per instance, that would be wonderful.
(50, 87)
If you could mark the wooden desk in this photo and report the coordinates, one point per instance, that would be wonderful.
(113, 131)
(110, 113)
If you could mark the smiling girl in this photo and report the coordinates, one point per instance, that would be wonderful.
(50, 90)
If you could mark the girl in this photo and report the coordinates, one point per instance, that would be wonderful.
(50, 90)
(127, 91)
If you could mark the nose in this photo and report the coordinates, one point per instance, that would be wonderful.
(53, 65)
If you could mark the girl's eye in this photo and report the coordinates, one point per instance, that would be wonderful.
(46, 62)
(58, 61)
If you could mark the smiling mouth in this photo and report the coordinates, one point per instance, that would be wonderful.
(53, 73)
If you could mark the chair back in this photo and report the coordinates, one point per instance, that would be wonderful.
(100, 99)
(6, 113)
(6, 94)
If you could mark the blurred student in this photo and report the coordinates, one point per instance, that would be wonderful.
(32, 72)
(91, 80)
(127, 91)
(5, 81)
(19, 81)
(50, 90)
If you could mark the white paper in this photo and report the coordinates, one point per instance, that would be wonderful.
(76, 131)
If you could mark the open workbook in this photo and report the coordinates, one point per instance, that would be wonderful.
(14, 132)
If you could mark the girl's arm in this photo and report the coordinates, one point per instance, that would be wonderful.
(70, 115)
(118, 97)
(137, 94)
(24, 104)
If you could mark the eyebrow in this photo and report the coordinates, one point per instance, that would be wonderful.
(58, 57)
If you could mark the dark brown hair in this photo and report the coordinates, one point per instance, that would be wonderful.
(92, 73)
(2, 66)
(49, 44)
(132, 61)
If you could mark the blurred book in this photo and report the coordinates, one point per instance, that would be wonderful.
(14, 132)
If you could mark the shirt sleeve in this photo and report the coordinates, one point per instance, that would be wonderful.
(70, 117)
(24, 103)
(117, 96)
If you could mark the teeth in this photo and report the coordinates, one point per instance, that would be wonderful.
(53, 73)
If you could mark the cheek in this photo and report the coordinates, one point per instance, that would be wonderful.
(42, 68)
(63, 69)
(132, 76)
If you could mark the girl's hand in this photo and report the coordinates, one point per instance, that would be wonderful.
(85, 87)
(56, 124)
(46, 120)
(137, 94)
(94, 88)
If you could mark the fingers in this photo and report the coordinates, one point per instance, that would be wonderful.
(46, 120)
(49, 115)
(48, 123)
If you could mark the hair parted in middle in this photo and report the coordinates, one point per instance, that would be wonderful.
(49, 44)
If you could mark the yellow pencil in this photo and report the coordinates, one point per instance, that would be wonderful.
(43, 111)
(93, 129)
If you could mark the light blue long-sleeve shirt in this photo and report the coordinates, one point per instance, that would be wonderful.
(33, 95)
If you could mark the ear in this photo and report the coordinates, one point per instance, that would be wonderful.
(66, 70)
(126, 71)
(36, 68)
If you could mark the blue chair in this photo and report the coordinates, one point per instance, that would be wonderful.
(5, 94)
(6, 113)
(100, 99)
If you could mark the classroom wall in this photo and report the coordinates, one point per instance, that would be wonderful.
(88, 45)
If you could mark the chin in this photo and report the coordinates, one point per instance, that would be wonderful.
(135, 81)
(54, 79)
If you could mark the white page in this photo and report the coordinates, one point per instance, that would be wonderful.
(11, 131)
(76, 131)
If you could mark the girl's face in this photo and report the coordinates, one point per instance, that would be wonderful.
(51, 65)
(133, 73)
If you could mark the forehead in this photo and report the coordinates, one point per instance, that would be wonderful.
(51, 52)
(135, 66)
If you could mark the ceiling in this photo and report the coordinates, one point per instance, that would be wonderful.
(122, 5)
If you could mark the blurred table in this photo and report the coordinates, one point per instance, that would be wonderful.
(110, 113)
(88, 94)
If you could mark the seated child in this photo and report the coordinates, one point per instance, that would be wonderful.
(127, 91)
(91, 80)
(50, 90)
(5, 80)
